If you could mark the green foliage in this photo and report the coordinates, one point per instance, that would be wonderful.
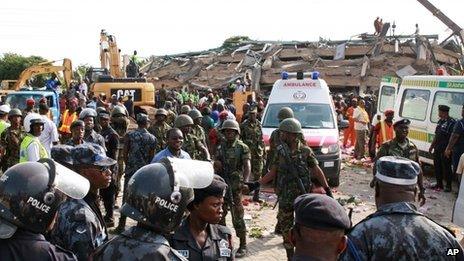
(235, 41)
(11, 65)
(80, 71)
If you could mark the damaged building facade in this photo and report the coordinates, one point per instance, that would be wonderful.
(354, 65)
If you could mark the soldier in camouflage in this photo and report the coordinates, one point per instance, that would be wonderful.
(139, 148)
(79, 226)
(198, 131)
(293, 167)
(120, 123)
(11, 139)
(401, 146)
(397, 231)
(158, 205)
(89, 116)
(192, 145)
(159, 129)
(171, 114)
(233, 163)
(252, 135)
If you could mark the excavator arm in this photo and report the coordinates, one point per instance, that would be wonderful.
(44, 68)
(110, 57)
(457, 30)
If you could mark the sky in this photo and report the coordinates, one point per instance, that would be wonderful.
(56, 29)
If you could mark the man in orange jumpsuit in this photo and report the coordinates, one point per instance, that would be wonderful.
(349, 133)
(383, 131)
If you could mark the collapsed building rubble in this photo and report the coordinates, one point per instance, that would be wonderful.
(352, 64)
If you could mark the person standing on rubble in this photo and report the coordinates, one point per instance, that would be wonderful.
(383, 131)
(361, 121)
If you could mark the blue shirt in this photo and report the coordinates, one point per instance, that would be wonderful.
(459, 130)
(167, 153)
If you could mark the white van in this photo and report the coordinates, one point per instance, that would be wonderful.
(417, 99)
(310, 100)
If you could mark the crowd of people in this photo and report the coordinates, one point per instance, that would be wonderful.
(162, 163)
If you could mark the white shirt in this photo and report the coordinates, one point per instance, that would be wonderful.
(49, 135)
(460, 168)
(33, 153)
(83, 88)
(359, 115)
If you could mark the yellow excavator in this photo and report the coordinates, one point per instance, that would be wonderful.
(110, 80)
(9, 86)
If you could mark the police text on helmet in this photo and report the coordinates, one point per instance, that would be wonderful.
(39, 205)
(166, 204)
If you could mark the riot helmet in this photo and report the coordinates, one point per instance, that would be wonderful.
(31, 119)
(87, 112)
(118, 110)
(32, 192)
(158, 193)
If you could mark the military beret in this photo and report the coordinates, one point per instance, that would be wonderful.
(77, 124)
(389, 112)
(91, 154)
(402, 121)
(320, 212)
(397, 170)
(62, 154)
(216, 188)
(444, 108)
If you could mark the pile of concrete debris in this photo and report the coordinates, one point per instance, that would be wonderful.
(352, 64)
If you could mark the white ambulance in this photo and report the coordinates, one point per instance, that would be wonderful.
(309, 98)
(417, 99)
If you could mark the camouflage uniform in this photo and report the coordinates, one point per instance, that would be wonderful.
(252, 136)
(79, 226)
(192, 146)
(287, 190)
(392, 148)
(171, 117)
(233, 157)
(120, 124)
(10, 141)
(137, 243)
(397, 231)
(93, 137)
(160, 132)
(199, 133)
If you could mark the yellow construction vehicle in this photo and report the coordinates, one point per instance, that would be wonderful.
(109, 79)
(8, 86)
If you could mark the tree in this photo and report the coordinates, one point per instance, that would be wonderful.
(81, 71)
(11, 65)
(235, 41)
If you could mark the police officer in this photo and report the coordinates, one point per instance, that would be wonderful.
(11, 139)
(200, 237)
(89, 115)
(397, 230)
(112, 143)
(159, 129)
(80, 226)
(157, 199)
(233, 163)
(192, 145)
(293, 166)
(252, 135)
(401, 146)
(441, 163)
(30, 195)
(77, 133)
(31, 149)
(139, 148)
(319, 229)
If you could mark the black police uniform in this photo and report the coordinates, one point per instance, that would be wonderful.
(217, 245)
(442, 163)
(25, 245)
(108, 194)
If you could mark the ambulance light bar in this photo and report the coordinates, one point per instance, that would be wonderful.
(300, 75)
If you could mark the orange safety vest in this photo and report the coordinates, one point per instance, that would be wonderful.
(66, 121)
(386, 133)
